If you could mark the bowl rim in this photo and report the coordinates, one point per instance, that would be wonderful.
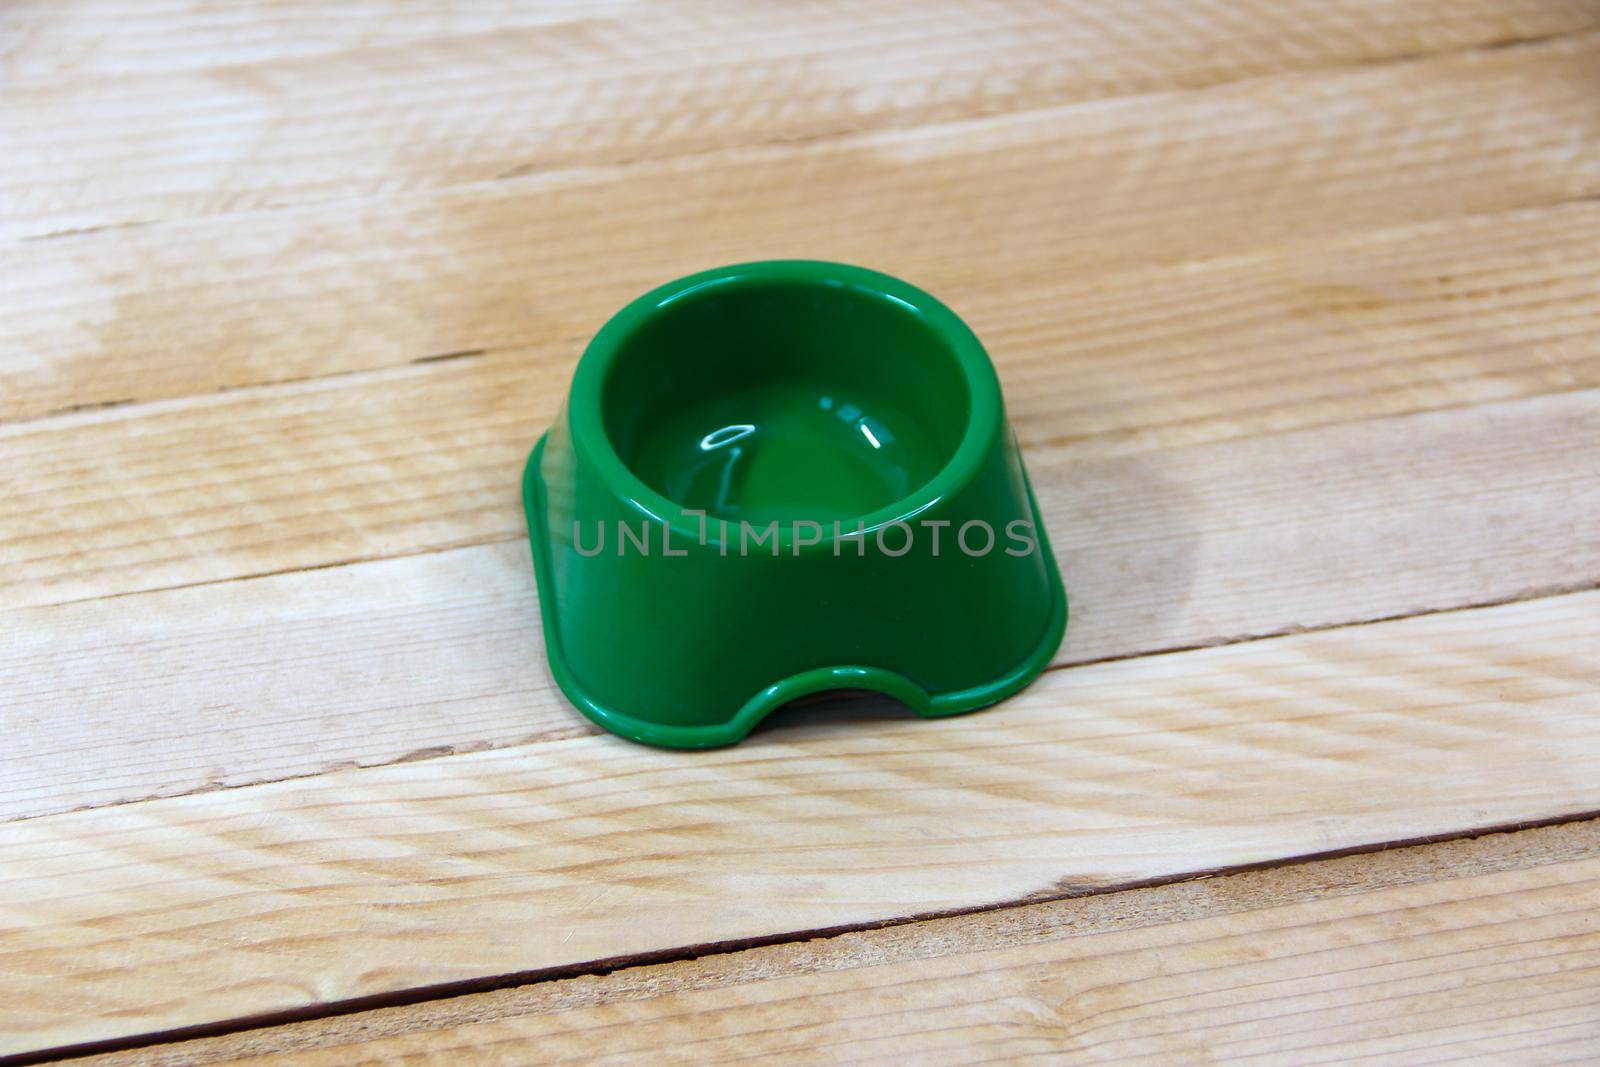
(985, 408)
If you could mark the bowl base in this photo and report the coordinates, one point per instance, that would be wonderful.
(784, 690)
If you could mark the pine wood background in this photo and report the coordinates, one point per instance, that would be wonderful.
(1295, 305)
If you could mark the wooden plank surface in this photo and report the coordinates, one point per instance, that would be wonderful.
(284, 116)
(435, 653)
(427, 457)
(1003, 202)
(1485, 948)
(357, 883)
(1294, 305)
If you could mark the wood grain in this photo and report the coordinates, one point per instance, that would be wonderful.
(1009, 202)
(102, 39)
(168, 115)
(426, 655)
(1359, 956)
(172, 913)
(427, 457)
(1294, 304)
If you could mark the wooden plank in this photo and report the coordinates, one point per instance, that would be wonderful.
(358, 883)
(354, 111)
(298, 673)
(1012, 202)
(100, 39)
(428, 457)
(106, 38)
(1359, 955)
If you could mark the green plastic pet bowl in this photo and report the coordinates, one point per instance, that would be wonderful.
(775, 479)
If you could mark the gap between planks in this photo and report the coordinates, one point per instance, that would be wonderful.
(381, 1032)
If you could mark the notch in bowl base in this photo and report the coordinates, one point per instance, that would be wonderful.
(763, 703)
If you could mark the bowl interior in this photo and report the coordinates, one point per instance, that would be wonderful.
(777, 399)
